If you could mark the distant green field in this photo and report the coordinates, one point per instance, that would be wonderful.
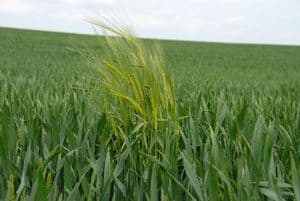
(240, 126)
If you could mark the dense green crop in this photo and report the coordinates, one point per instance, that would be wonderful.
(238, 109)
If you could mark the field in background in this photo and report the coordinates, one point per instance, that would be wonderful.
(240, 139)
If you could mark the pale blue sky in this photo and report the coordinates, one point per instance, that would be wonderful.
(249, 21)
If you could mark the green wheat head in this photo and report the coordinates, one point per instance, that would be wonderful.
(138, 88)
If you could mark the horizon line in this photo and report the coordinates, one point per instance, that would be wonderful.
(154, 38)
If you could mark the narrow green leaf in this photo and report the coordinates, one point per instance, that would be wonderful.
(295, 179)
(190, 170)
(154, 186)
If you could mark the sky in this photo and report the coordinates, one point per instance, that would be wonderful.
(239, 21)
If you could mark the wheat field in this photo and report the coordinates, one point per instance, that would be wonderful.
(101, 118)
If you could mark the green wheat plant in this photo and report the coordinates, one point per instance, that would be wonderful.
(140, 92)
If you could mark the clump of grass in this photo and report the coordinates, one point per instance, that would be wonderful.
(140, 93)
